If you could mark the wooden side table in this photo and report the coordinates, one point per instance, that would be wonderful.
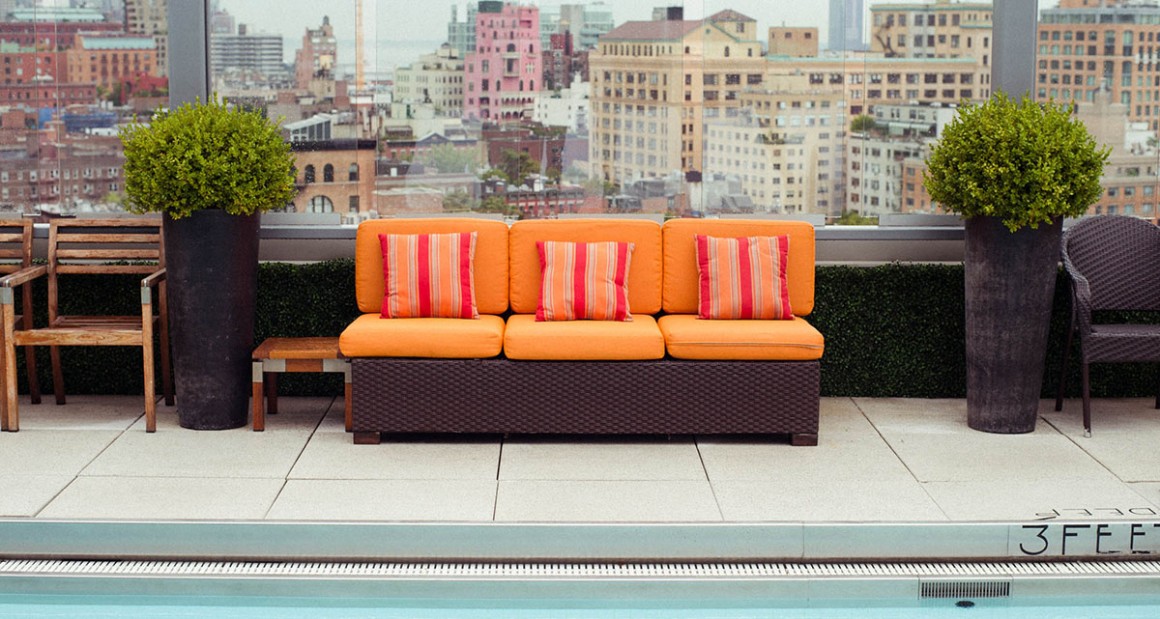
(293, 354)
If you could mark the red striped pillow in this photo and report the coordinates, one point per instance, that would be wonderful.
(584, 281)
(429, 275)
(743, 278)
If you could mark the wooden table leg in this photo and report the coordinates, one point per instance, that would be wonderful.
(257, 395)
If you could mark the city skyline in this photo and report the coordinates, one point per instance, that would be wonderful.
(421, 33)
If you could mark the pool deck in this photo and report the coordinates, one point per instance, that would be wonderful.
(879, 463)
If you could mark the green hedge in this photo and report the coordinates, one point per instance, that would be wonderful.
(891, 331)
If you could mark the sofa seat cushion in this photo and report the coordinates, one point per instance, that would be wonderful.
(689, 337)
(583, 340)
(446, 338)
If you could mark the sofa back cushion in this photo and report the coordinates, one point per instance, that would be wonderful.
(681, 279)
(644, 275)
(490, 263)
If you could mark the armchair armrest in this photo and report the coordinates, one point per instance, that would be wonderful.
(1081, 302)
(19, 278)
(148, 284)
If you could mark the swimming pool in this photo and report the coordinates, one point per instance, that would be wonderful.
(1122, 589)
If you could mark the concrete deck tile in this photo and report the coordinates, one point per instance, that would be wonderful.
(849, 447)
(154, 498)
(606, 501)
(1151, 493)
(1125, 434)
(1022, 500)
(918, 416)
(386, 500)
(113, 413)
(23, 496)
(978, 456)
(176, 452)
(825, 501)
(601, 460)
(51, 452)
(333, 455)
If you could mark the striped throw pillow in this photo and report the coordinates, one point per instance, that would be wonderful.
(429, 275)
(584, 281)
(743, 278)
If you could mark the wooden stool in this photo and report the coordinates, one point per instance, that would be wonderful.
(294, 354)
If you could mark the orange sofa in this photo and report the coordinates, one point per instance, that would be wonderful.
(664, 372)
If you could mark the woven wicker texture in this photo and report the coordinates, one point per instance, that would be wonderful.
(1114, 264)
(589, 397)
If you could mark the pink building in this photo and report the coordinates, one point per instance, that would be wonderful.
(505, 70)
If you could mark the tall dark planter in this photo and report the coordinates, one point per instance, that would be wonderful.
(1010, 284)
(212, 270)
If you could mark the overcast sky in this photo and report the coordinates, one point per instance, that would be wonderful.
(426, 20)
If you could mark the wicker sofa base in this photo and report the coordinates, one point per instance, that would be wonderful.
(500, 396)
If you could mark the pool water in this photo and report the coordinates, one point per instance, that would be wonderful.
(39, 606)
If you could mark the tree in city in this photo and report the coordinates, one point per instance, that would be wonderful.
(516, 166)
(458, 201)
(863, 123)
(495, 204)
(854, 218)
(449, 159)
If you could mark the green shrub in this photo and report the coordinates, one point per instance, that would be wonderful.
(1024, 162)
(207, 156)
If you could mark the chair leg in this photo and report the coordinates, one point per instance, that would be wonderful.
(1087, 403)
(1158, 392)
(9, 414)
(1063, 369)
(150, 387)
(33, 379)
(166, 365)
(57, 374)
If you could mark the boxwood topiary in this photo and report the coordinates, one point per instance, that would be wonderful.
(1024, 162)
(207, 156)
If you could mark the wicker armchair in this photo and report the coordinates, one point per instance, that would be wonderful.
(1114, 264)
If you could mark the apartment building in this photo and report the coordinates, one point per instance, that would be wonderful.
(654, 85)
(106, 62)
(846, 21)
(316, 59)
(435, 79)
(942, 29)
(505, 69)
(568, 107)
(148, 18)
(1086, 46)
(254, 57)
(785, 145)
(871, 81)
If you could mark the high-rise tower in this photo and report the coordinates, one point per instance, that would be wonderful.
(846, 23)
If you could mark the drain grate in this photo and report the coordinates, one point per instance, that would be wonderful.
(963, 589)
(938, 579)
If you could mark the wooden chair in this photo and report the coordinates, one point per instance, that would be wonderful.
(94, 247)
(1113, 263)
(16, 255)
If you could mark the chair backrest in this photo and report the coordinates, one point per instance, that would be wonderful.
(128, 246)
(1119, 256)
(15, 244)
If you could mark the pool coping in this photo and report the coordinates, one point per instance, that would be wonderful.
(1053, 540)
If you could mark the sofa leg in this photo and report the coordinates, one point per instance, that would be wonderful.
(804, 440)
(367, 438)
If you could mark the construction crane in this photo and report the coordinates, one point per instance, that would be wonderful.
(359, 69)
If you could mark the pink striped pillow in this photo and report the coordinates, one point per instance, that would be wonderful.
(743, 278)
(429, 275)
(584, 281)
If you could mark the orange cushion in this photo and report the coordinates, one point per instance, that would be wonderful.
(582, 340)
(680, 261)
(429, 275)
(584, 281)
(491, 258)
(689, 337)
(445, 338)
(644, 277)
(742, 278)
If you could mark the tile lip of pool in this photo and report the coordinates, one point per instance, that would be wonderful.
(797, 587)
(503, 542)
